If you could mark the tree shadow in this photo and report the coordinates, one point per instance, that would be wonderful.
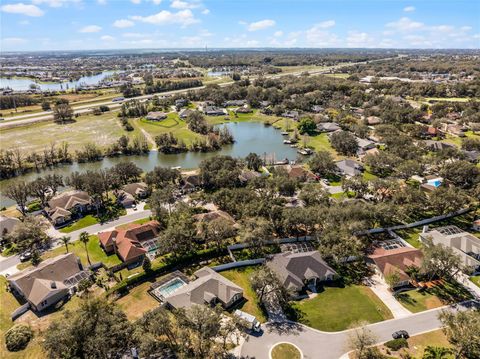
(285, 327)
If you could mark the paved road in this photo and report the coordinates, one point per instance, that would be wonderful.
(47, 115)
(323, 345)
(8, 265)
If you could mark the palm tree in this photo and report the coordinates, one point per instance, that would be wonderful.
(65, 240)
(84, 238)
(436, 352)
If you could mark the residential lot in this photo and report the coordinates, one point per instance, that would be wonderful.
(355, 303)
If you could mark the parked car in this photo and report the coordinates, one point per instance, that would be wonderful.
(25, 256)
(252, 322)
(118, 99)
(400, 334)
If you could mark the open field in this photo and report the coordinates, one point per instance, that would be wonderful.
(241, 277)
(103, 130)
(336, 308)
(95, 253)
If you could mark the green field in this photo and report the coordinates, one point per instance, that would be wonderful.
(337, 308)
(241, 277)
(83, 222)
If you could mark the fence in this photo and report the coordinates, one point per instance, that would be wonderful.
(245, 263)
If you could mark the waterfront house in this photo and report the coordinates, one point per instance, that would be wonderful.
(137, 189)
(328, 127)
(67, 206)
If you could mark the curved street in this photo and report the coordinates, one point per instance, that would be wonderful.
(325, 345)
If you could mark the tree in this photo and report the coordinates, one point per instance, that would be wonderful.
(65, 240)
(85, 238)
(98, 329)
(448, 199)
(30, 234)
(126, 172)
(39, 188)
(322, 164)
(463, 332)
(45, 105)
(392, 278)
(162, 197)
(147, 265)
(18, 337)
(219, 172)
(19, 192)
(160, 176)
(432, 352)
(360, 341)
(62, 113)
(179, 236)
(440, 261)
(254, 162)
(307, 126)
(344, 142)
(266, 284)
(314, 195)
(255, 232)
(462, 174)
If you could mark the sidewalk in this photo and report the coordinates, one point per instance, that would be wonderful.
(378, 285)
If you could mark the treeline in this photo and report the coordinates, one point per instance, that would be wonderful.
(14, 162)
(13, 101)
(164, 86)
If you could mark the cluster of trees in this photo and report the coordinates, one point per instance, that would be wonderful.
(197, 332)
(163, 86)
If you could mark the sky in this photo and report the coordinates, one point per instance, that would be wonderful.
(32, 25)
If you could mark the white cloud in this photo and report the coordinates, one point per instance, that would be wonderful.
(180, 4)
(260, 25)
(123, 23)
(55, 3)
(157, 2)
(325, 24)
(405, 24)
(320, 36)
(205, 11)
(23, 9)
(102, 2)
(135, 35)
(278, 33)
(183, 17)
(13, 41)
(90, 28)
(136, 1)
(409, 9)
(359, 39)
(107, 38)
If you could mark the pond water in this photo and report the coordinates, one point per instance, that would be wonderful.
(23, 84)
(266, 141)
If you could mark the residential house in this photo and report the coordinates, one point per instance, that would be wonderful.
(317, 109)
(291, 114)
(349, 168)
(246, 176)
(235, 103)
(133, 243)
(244, 109)
(437, 145)
(472, 156)
(51, 281)
(7, 224)
(214, 111)
(67, 206)
(328, 127)
(209, 288)
(364, 145)
(125, 199)
(156, 116)
(396, 260)
(183, 114)
(299, 173)
(431, 183)
(190, 183)
(373, 120)
(454, 129)
(297, 271)
(181, 102)
(214, 215)
(136, 190)
(464, 244)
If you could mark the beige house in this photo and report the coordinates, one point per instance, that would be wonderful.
(50, 282)
(68, 205)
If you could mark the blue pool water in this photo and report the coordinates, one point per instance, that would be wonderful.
(170, 287)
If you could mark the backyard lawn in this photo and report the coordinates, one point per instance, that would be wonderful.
(338, 308)
(95, 252)
(137, 301)
(83, 222)
(440, 295)
(411, 235)
(241, 277)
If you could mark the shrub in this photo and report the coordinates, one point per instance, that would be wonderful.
(18, 337)
(397, 344)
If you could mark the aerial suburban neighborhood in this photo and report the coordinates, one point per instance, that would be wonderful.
(182, 181)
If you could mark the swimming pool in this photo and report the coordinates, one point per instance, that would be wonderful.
(169, 288)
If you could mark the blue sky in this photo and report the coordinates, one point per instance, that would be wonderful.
(114, 24)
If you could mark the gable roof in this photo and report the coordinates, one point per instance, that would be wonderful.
(37, 283)
(349, 167)
(135, 189)
(293, 269)
(208, 285)
(213, 215)
(397, 260)
(68, 200)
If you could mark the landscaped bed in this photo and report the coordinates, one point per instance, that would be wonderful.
(285, 351)
(337, 308)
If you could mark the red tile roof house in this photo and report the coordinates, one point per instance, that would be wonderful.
(131, 244)
(389, 261)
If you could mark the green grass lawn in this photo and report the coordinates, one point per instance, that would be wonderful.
(457, 141)
(95, 252)
(448, 293)
(337, 308)
(411, 235)
(285, 351)
(476, 280)
(368, 176)
(321, 142)
(83, 222)
(241, 277)
(138, 221)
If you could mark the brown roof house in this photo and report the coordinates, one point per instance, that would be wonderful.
(50, 282)
(209, 288)
(67, 206)
(136, 190)
(131, 244)
(396, 260)
(297, 271)
(300, 173)
(7, 224)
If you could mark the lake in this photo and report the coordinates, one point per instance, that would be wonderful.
(23, 84)
(255, 137)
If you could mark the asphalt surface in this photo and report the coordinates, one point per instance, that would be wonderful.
(325, 345)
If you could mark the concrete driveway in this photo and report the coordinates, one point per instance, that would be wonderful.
(324, 345)
(378, 285)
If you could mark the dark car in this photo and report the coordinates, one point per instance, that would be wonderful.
(25, 256)
(400, 334)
